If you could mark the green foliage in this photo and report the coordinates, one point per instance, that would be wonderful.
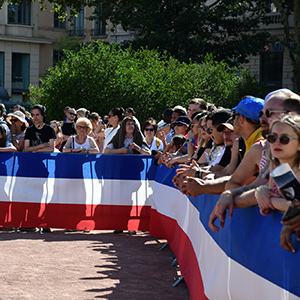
(100, 77)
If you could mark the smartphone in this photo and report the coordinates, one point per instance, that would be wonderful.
(154, 152)
(290, 213)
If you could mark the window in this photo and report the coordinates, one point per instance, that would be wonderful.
(19, 14)
(99, 25)
(57, 22)
(20, 72)
(271, 66)
(2, 69)
(78, 28)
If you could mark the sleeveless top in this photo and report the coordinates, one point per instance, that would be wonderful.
(85, 145)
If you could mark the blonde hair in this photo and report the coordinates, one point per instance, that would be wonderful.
(292, 121)
(86, 122)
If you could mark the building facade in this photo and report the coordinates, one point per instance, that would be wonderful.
(272, 66)
(28, 37)
(27, 43)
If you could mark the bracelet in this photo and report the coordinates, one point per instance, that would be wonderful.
(13, 134)
(71, 151)
(189, 140)
(258, 189)
(198, 174)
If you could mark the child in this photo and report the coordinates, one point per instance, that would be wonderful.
(284, 141)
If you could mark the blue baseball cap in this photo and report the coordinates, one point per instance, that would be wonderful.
(250, 107)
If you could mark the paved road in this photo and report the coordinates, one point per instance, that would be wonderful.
(95, 265)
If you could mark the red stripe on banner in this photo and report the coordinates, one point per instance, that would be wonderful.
(184, 252)
(75, 216)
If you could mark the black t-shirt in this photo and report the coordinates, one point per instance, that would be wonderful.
(68, 128)
(226, 157)
(39, 136)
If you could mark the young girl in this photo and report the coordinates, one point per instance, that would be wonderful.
(284, 141)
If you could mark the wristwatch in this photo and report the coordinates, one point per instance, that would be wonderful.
(189, 140)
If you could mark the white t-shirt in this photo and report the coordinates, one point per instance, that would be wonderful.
(109, 134)
(157, 145)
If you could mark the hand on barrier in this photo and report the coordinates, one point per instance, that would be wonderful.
(225, 202)
(188, 170)
(192, 186)
(263, 197)
(286, 238)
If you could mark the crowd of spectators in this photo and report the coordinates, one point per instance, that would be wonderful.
(223, 151)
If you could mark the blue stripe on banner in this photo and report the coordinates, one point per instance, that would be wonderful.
(254, 241)
(77, 166)
(164, 175)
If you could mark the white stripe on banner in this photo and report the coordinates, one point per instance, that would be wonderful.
(76, 191)
(219, 272)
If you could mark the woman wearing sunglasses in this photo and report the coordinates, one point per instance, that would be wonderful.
(82, 142)
(284, 141)
(149, 130)
(18, 125)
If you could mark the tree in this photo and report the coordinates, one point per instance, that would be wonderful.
(190, 29)
(100, 77)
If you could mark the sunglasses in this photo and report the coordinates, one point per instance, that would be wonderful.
(149, 129)
(283, 140)
(72, 114)
(14, 120)
(109, 116)
(179, 124)
(209, 130)
(269, 112)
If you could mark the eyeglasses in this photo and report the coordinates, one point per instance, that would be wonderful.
(269, 112)
(81, 127)
(14, 120)
(284, 139)
(72, 114)
(149, 129)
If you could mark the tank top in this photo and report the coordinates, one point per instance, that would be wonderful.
(85, 145)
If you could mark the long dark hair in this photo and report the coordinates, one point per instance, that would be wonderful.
(4, 137)
(118, 139)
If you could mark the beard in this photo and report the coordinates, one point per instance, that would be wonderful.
(266, 130)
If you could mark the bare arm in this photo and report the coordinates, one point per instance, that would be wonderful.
(123, 150)
(8, 149)
(39, 148)
(93, 146)
(47, 147)
(247, 168)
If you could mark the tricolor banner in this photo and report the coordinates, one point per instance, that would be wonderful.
(76, 191)
(243, 260)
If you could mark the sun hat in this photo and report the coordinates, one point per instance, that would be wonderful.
(19, 115)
